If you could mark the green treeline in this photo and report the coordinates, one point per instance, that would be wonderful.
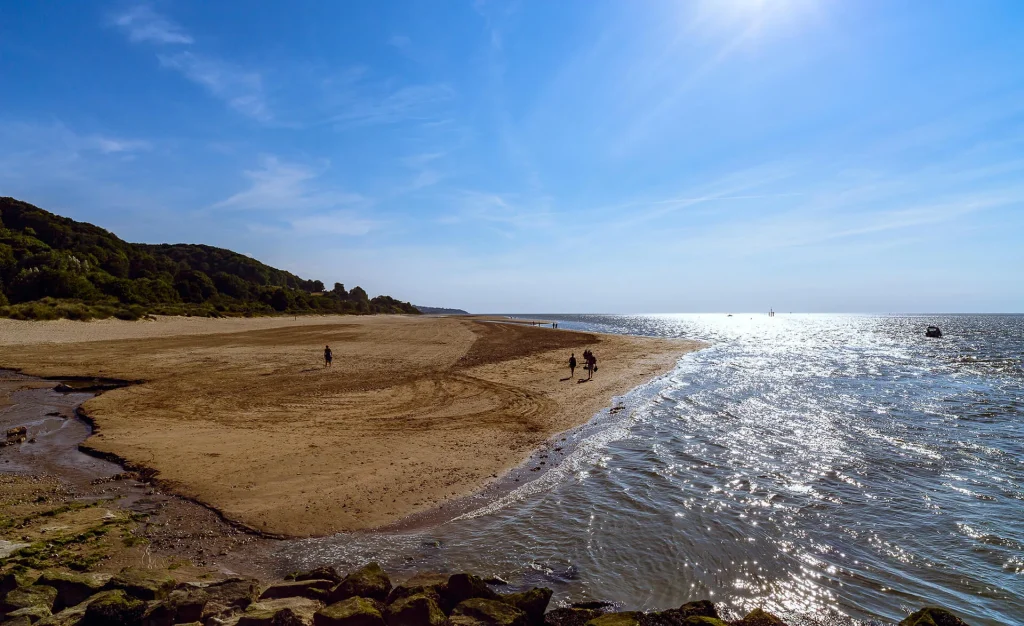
(52, 267)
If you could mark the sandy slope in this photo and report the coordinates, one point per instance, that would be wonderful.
(241, 415)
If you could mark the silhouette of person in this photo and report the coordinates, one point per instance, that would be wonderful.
(328, 356)
(593, 366)
(572, 365)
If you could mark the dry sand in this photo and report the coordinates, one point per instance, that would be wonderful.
(241, 415)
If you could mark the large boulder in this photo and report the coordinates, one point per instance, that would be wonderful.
(462, 587)
(758, 617)
(532, 602)
(626, 618)
(416, 610)
(568, 616)
(932, 616)
(369, 581)
(350, 612)
(312, 589)
(25, 597)
(72, 588)
(144, 584)
(116, 608)
(279, 612)
(484, 612)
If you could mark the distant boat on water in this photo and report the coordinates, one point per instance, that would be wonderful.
(933, 331)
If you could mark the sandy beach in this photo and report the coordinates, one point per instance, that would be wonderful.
(241, 415)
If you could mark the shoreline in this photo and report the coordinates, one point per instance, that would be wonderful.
(480, 375)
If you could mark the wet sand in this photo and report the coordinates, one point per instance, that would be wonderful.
(241, 414)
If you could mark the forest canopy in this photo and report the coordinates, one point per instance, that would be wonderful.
(53, 266)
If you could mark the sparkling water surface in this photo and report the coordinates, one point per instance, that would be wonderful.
(829, 468)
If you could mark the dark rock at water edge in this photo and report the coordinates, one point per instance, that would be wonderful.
(569, 616)
(415, 610)
(932, 616)
(533, 602)
(369, 581)
(462, 587)
(313, 589)
(318, 573)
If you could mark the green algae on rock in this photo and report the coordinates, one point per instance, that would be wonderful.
(487, 612)
(369, 581)
(350, 612)
(418, 609)
(932, 616)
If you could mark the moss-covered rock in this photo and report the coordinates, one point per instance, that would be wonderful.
(279, 612)
(188, 604)
(532, 602)
(312, 589)
(462, 587)
(932, 616)
(430, 584)
(369, 581)
(25, 597)
(758, 617)
(568, 616)
(416, 610)
(12, 580)
(481, 611)
(32, 613)
(114, 609)
(144, 584)
(626, 618)
(73, 588)
(17, 621)
(350, 612)
(700, 608)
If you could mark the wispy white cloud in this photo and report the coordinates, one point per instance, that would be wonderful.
(288, 187)
(297, 196)
(141, 23)
(64, 144)
(241, 89)
(365, 105)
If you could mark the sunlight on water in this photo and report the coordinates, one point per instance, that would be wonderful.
(839, 468)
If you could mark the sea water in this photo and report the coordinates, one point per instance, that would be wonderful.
(829, 468)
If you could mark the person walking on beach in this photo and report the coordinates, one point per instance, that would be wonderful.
(591, 366)
(572, 365)
(328, 356)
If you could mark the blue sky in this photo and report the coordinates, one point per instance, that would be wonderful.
(652, 156)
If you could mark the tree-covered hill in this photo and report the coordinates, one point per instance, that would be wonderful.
(52, 266)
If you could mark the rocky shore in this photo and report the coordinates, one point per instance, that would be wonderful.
(322, 597)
